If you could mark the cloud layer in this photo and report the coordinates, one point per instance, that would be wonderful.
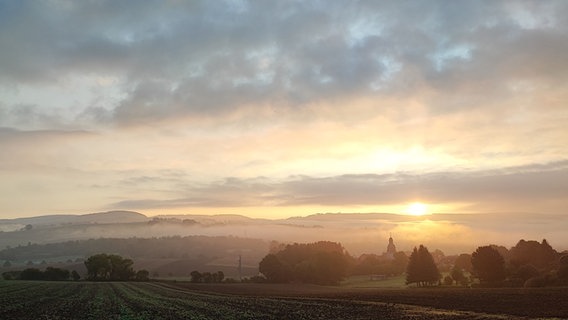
(254, 103)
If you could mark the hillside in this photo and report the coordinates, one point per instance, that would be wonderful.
(63, 219)
(172, 256)
(358, 232)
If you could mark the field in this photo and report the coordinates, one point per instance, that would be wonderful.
(177, 300)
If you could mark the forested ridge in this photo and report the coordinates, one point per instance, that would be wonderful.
(159, 248)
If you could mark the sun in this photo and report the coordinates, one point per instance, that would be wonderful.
(417, 209)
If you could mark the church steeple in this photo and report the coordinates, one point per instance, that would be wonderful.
(391, 248)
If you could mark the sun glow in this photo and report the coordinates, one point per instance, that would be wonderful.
(417, 209)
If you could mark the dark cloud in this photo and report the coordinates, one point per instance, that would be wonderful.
(523, 188)
(207, 58)
(11, 135)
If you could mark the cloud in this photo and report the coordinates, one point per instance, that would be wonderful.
(536, 188)
(209, 59)
(340, 98)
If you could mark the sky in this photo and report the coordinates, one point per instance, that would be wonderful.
(283, 108)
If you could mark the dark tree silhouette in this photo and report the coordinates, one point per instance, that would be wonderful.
(75, 275)
(207, 277)
(525, 272)
(463, 262)
(142, 275)
(109, 267)
(321, 262)
(421, 268)
(273, 269)
(539, 255)
(196, 276)
(488, 264)
(399, 263)
(563, 270)
(31, 274)
(11, 275)
(98, 267)
(50, 274)
(121, 268)
(220, 276)
(55, 274)
(458, 276)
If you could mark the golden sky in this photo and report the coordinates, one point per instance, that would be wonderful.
(277, 109)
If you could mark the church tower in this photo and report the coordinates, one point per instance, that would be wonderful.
(391, 249)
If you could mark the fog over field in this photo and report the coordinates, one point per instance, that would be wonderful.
(359, 233)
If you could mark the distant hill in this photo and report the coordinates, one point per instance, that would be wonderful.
(168, 256)
(100, 217)
(358, 232)
(206, 220)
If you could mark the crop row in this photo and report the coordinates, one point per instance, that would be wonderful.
(85, 300)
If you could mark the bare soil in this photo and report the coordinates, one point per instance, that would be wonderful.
(182, 300)
(522, 302)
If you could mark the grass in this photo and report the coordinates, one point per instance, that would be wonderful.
(367, 282)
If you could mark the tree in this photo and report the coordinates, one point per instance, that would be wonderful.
(400, 262)
(488, 264)
(322, 262)
(11, 275)
(55, 274)
(458, 276)
(563, 270)
(75, 275)
(366, 264)
(7, 264)
(142, 275)
(539, 255)
(463, 261)
(31, 274)
(98, 267)
(525, 272)
(195, 276)
(121, 268)
(328, 268)
(109, 267)
(207, 277)
(273, 269)
(421, 268)
(220, 276)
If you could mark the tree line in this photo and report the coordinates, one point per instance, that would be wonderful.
(112, 267)
(528, 263)
(207, 277)
(321, 262)
(100, 267)
(202, 248)
(49, 274)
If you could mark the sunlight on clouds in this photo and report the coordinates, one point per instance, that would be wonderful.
(320, 105)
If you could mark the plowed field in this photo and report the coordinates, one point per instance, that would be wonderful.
(85, 300)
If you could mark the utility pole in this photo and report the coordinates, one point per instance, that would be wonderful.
(240, 268)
